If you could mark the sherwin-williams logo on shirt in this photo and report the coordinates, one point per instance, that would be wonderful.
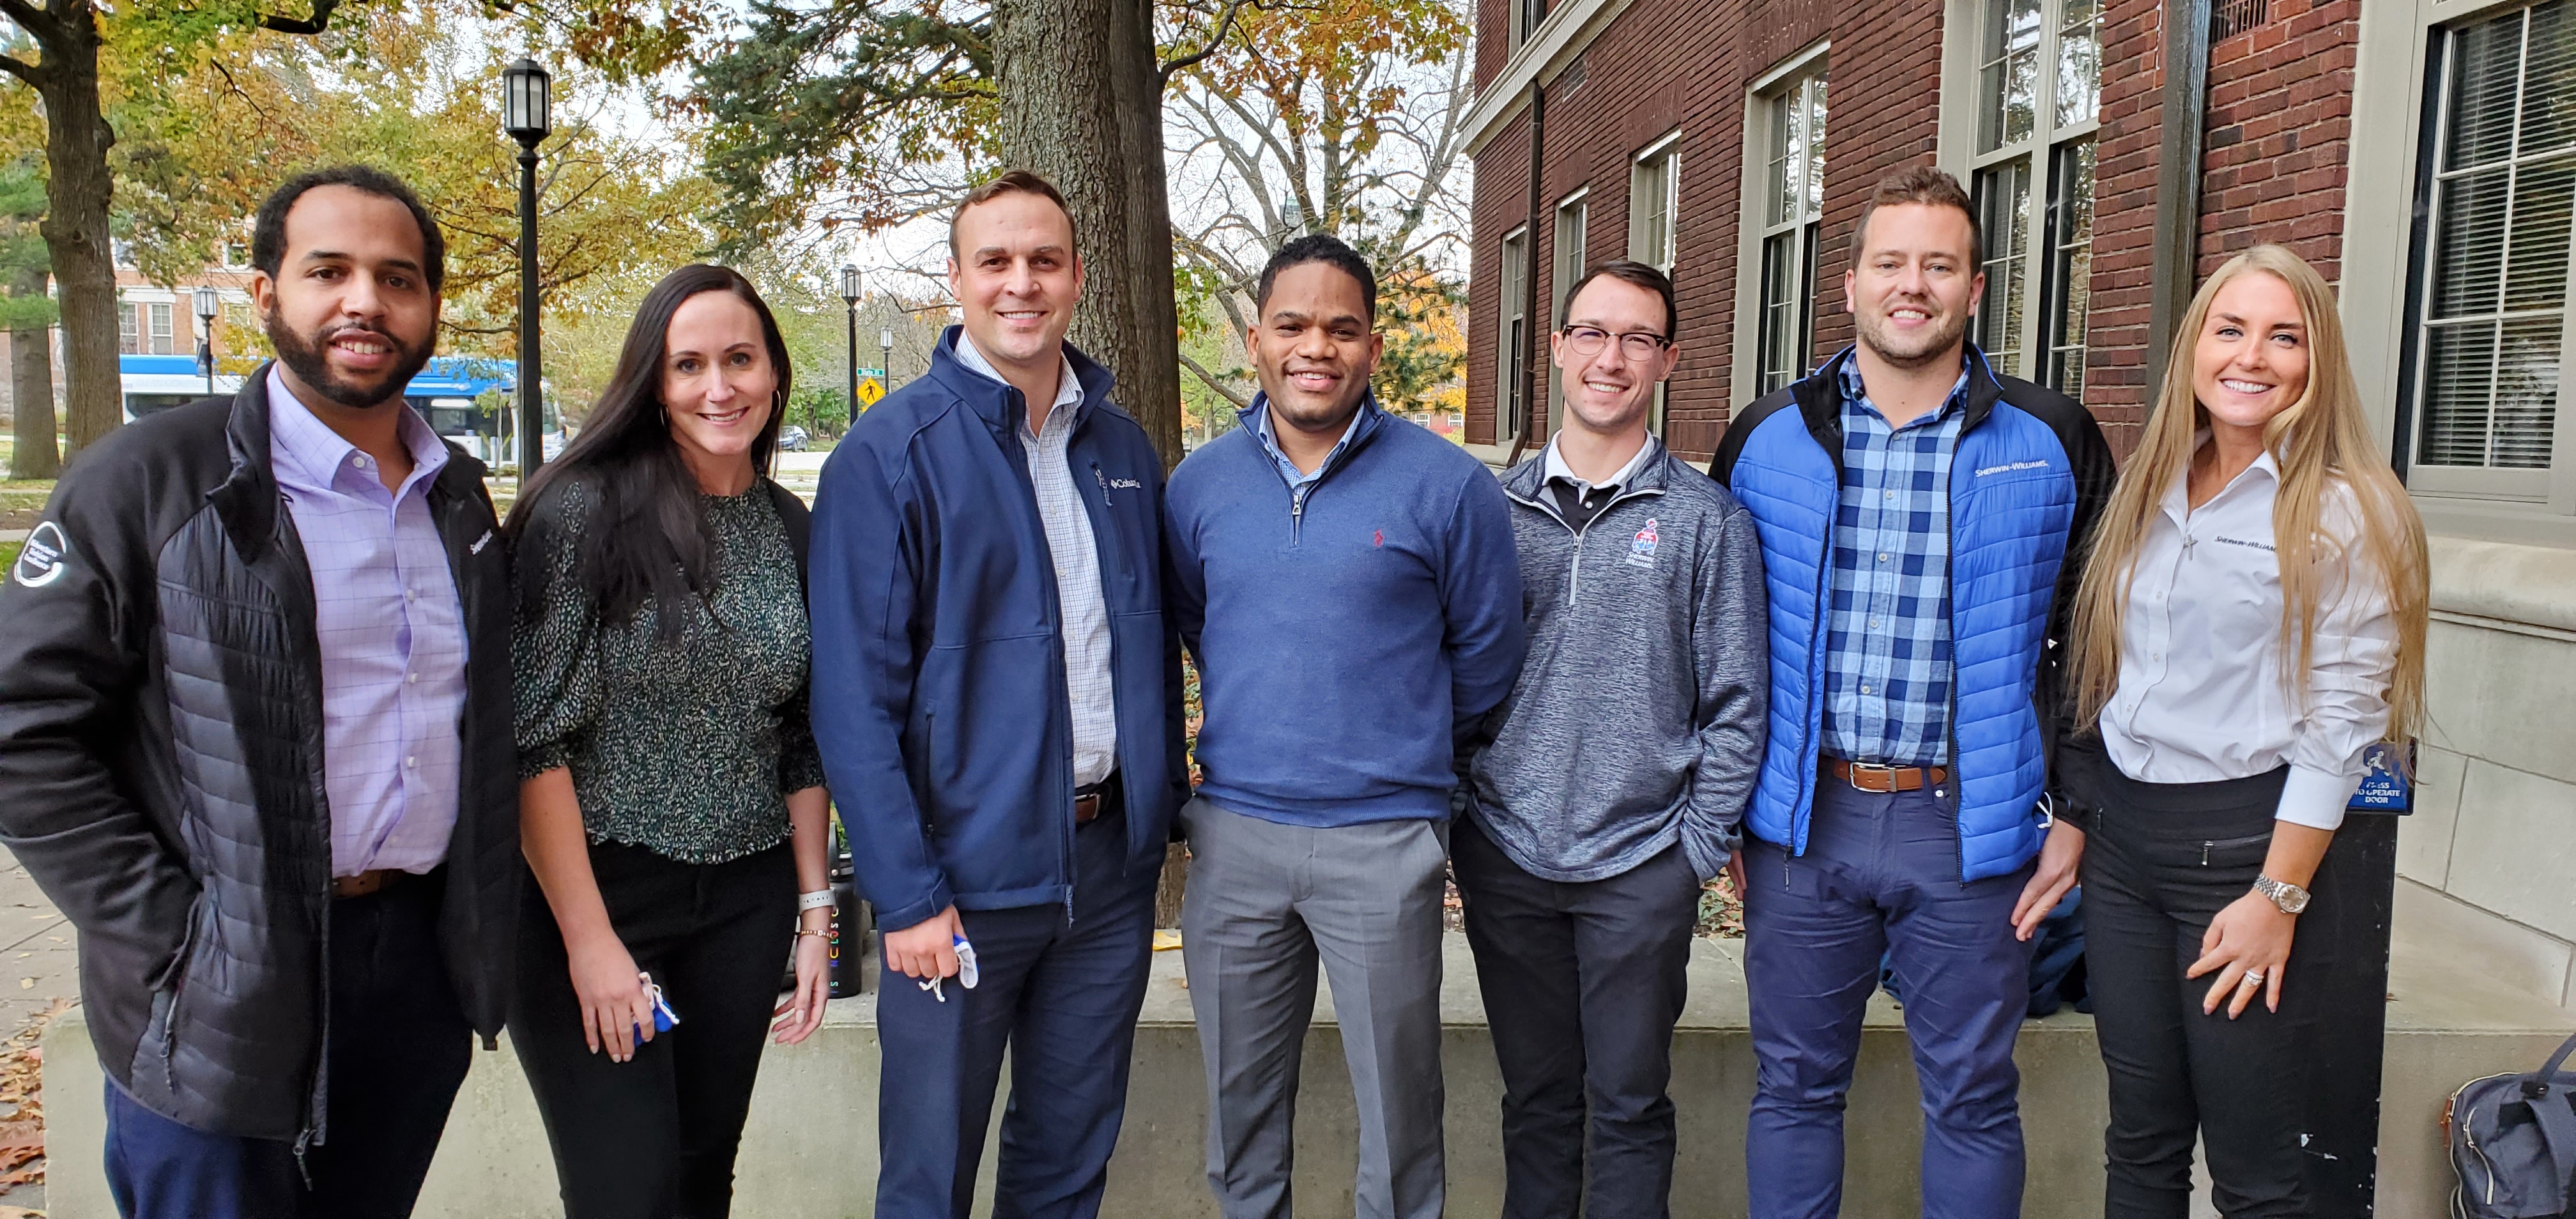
(42, 560)
(2010, 467)
(1641, 549)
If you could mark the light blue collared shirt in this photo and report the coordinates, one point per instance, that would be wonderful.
(391, 631)
(1288, 469)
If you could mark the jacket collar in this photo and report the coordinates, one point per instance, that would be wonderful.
(247, 499)
(1002, 407)
(1370, 420)
(1654, 473)
(1819, 395)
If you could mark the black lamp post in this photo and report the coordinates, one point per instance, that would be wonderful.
(206, 308)
(850, 297)
(885, 342)
(526, 114)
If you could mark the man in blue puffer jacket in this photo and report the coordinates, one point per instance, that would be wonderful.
(1923, 521)
(996, 692)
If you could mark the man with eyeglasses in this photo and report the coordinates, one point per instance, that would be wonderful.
(1611, 780)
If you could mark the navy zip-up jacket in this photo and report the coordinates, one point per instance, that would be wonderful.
(939, 696)
(2027, 483)
(1347, 631)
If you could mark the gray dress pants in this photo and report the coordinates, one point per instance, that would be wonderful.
(1266, 902)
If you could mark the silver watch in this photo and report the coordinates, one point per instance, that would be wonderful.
(2289, 897)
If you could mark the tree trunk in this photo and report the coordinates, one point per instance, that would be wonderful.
(31, 394)
(77, 190)
(1082, 103)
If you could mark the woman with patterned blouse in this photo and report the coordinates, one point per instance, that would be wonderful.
(672, 800)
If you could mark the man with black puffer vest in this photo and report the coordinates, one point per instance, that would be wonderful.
(255, 731)
(1923, 521)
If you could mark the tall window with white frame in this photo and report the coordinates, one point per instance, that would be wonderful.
(2491, 300)
(161, 334)
(1511, 408)
(1654, 206)
(1571, 213)
(1793, 206)
(129, 329)
(2039, 93)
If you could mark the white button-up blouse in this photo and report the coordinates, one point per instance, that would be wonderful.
(2202, 695)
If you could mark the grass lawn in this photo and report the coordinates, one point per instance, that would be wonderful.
(9, 553)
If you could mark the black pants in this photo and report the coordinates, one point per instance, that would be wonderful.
(2164, 859)
(1583, 983)
(399, 1047)
(654, 1137)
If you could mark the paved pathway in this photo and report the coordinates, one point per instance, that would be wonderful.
(41, 973)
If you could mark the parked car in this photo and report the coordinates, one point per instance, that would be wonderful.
(792, 439)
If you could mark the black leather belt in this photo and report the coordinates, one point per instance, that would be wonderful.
(1091, 798)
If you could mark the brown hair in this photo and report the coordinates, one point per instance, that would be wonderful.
(1926, 185)
(1642, 276)
(2333, 479)
(1007, 182)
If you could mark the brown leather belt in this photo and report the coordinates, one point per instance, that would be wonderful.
(1091, 798)
(366, 882)
(1871, 777)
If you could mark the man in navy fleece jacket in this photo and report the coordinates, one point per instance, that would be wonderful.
(1349, 586)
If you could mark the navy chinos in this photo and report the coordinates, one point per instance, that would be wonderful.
(1061, 995)
(1881, 875)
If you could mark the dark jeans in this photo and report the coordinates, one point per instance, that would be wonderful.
(399, 1046)
(1060, 991)
(2162, 860)
(654, 1137)
(1583, 983)
(1881, 876)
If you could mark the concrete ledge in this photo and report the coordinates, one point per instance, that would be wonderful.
(810, 1150)
(2532, 585)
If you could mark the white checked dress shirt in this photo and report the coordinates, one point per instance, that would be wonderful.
(2201, 696)
(1077, 571)
(392, 637)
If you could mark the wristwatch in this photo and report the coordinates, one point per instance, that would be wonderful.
(2289, 897)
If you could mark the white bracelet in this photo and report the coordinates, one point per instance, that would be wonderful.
(820, 899)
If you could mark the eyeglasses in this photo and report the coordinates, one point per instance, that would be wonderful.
(1636, 345)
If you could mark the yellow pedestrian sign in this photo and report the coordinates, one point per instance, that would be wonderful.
(869, 391)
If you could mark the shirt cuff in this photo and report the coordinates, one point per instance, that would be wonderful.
(2316, 798)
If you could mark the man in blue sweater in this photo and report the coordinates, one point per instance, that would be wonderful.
(1348, 584)
(997, 697)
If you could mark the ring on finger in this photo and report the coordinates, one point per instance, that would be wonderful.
(2253, 977)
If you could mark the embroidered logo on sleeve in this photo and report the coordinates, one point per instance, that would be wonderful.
(1641, 549)
(42, 560)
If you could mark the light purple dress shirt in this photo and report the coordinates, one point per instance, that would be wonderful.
(392, 636)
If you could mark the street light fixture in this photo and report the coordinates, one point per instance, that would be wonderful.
(207, 306)
(850, 297)
(526, 114)
(885, 341)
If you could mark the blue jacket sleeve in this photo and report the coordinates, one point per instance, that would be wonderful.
(862, 574)
(1480, 595)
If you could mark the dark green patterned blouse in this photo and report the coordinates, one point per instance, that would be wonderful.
(688, 749)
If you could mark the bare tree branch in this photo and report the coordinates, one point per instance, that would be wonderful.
(315, 24)
(30, 73)
(1214, 382)
(47, 27)
(1224, 24)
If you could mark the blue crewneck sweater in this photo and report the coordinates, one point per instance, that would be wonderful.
(1345, 632)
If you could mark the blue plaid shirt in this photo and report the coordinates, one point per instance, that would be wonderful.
(1887, 646)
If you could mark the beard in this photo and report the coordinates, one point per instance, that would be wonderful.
(310, 364)
(1874, 333)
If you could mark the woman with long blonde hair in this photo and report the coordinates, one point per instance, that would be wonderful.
(2250, 622)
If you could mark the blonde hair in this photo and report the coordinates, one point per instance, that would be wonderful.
(2322, 440)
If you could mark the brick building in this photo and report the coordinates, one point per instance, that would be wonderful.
(2422, 153)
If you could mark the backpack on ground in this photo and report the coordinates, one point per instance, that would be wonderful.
(2513, 1143)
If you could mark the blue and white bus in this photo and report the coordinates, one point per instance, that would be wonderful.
(448, 393)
